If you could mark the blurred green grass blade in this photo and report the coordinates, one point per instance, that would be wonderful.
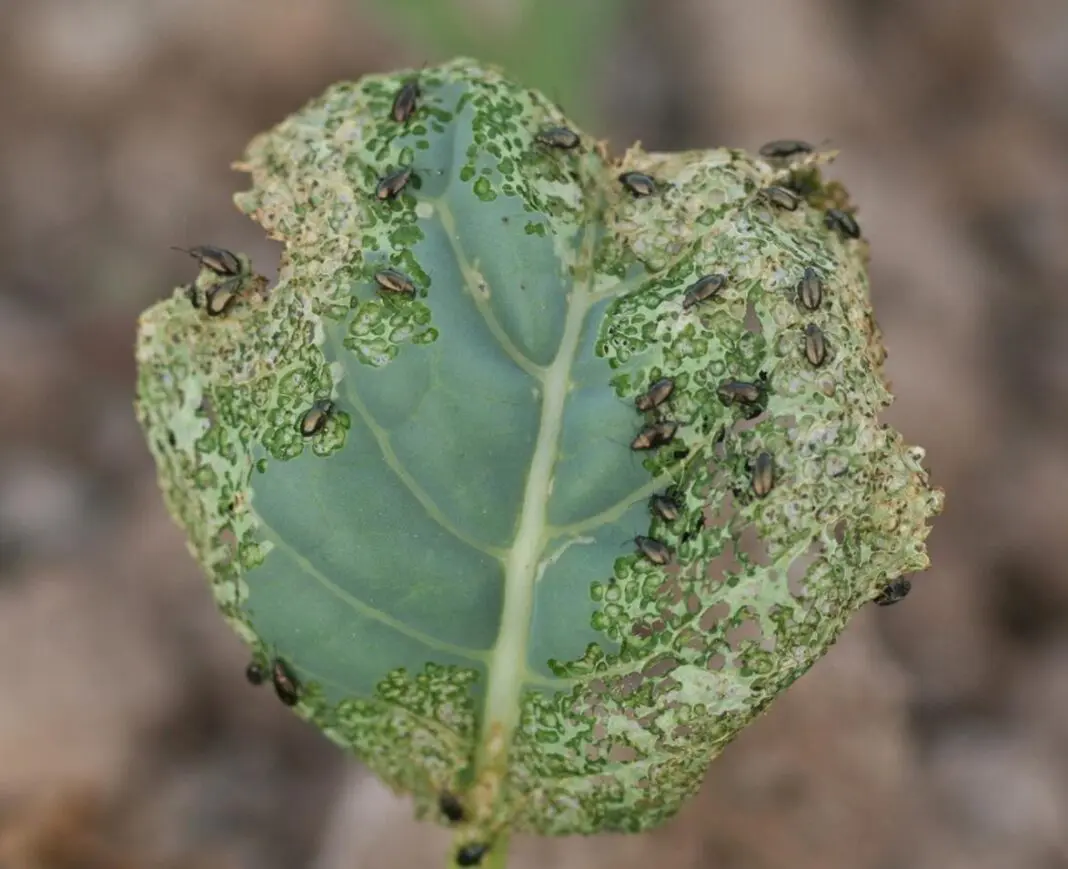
(553, 45)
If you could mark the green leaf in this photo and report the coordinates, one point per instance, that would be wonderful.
(444, 558)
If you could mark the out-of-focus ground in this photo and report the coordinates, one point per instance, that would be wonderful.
(935, 734)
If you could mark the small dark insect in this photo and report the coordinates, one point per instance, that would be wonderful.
(315, 418)
(810, 290)
(471, 855)
(780, 149)
(655, 435)
(221, 298)
(638, 183)
(738, 392)
(254, 673)
(665, 507)
(393, 281)
(405, 100)
(220, 261)
(193, 296)
(652, 549)
(393, 183)
(656, 395)
(702, 290)
(286, 685)
(763, 474)
(781, 198)
(895, 592)
(450, 807)
(815, 346)
(558, 137)
(843, 222)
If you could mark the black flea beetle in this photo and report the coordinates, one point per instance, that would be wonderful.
(392, 184)
(780, 149)
(895, 592)
(843, 222)
(558, 137)
(286, 685)
(815, 345)
(656, 395)
(404, 103)
(702, 290)
(471, 855)
(638, 183)
(313, 420)
(450, 806)
(653, 550)
(222, 298)
(665, 507)
(655, 435)
(763, 475)
(738, 392)
(395, 282)
(220, 261)
(810, 290)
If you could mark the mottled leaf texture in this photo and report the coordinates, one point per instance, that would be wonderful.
(424, 497)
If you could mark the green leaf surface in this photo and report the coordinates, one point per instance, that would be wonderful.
(448, 567)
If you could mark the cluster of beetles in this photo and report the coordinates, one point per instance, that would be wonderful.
(654, 434)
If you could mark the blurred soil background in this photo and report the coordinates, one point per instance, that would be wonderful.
(933, 736)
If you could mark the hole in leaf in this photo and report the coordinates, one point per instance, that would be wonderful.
(620, 753)
(660, 668)
(714, 615)
(798, 570)
(744, 425)
(752, 319)
(746, 630)
(752, 544)
(630, 683)
(716, 662)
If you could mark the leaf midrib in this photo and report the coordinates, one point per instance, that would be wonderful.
(508, 660)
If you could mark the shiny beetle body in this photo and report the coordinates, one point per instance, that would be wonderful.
(254, 673)
(815, 345)
(449, 805)
(763, 475)
(220, 299)
(394, 282)
(392, 184)
(286, 685)
(738, 392)
(781, 149)
(843, 222)
(810, 290)
(404, 103)
(702, 290)
(655, 435)
(471, 855)
(656, 395)
(665, 507)
(558, 137)
(638, 183)
(653, 550)
(782, 198)
(222, 262)
(895, 592)
(313, 420)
